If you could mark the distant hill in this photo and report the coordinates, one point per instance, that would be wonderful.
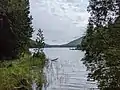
(74, 43)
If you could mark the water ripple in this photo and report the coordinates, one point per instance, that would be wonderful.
(68, 73)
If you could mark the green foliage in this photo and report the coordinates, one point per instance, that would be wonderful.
(40, 39)
(39, 54)
(16, 25)
(102, 44)
(102, 11)
(15, 34)
(18, 12)
(38, 51)
(20, 74)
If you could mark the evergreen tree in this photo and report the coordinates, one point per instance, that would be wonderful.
(40, 40)
(39, 45)
(16, 28)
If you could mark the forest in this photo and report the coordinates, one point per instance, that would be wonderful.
(18, 68)
(101, 43)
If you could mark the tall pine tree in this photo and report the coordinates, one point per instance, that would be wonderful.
(16, 28)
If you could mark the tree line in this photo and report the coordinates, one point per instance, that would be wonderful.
(101, 43)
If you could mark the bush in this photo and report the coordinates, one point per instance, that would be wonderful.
(20, 74)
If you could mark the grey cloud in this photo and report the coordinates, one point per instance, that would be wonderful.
(57, 29)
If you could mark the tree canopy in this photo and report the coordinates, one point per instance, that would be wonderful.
(15, 28)
(102, 43)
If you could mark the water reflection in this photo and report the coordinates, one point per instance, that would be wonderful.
(68, 72)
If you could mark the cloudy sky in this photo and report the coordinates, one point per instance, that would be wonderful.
(60, 20)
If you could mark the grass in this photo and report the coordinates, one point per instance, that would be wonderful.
(19, 74)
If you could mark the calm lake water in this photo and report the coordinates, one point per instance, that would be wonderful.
(68, 72)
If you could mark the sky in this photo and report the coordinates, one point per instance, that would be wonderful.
(61, 20)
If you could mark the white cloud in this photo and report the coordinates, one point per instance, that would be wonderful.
(63, 16)
(71, 9)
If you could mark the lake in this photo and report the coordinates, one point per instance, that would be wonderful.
(68, 72)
